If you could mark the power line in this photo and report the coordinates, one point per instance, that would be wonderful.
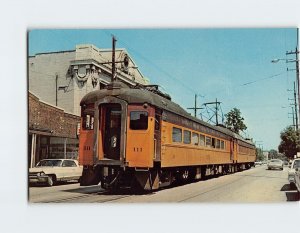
(171, 77)
(155, 65)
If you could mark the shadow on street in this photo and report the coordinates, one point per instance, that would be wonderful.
(291, 193)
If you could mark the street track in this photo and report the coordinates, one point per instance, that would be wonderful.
(254, 185)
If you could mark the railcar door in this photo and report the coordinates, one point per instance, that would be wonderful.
(112, 131)
(140, 136)
(157, 135)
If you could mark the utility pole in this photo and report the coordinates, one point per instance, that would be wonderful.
(56, 79)
(195, 108)
(293, 114)
(295, 103)
(296, 52)
(113, 72)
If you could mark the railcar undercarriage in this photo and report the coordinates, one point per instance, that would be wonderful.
(115, 177)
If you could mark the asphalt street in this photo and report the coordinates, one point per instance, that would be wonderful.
(257, 185)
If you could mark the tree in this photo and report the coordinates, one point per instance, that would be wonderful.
(290, 142)
(273, 154)
(259, 155)
(234, 121)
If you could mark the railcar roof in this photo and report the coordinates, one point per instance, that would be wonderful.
(140, 96)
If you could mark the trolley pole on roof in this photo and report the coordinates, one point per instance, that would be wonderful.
(113, 72)
(195, 108)
(217, 112)
(217, 104)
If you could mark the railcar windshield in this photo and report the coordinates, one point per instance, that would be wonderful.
(139, 120)
(88, 118)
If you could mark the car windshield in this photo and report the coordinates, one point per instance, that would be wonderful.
(49, 163)
(276, 161)
(296, 164)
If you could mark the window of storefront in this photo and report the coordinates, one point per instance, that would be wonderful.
(64, 148)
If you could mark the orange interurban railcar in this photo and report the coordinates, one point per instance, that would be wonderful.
(138, 137)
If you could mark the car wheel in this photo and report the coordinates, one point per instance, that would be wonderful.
(51, 181)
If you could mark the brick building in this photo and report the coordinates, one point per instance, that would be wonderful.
(53, 133)
(57, 83)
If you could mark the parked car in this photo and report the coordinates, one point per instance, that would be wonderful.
(258, 163)
(291, 175)
(49, 171)
(275, 164)
(297, 178)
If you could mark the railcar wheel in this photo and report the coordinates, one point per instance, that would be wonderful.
(185, 175)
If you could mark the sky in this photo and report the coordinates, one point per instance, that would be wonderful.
(231, 65)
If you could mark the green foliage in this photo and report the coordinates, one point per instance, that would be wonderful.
(290, 142)
(273, 154)
(234, 121)
(259, 155)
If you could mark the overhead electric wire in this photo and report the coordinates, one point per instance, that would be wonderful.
(171, 77)
(155, 65)
(258, 80)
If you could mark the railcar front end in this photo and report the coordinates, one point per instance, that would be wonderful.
(117, 142)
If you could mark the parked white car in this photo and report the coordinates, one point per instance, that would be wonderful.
(49, 171)
(291, 175)
(275, 164)
(297, 177)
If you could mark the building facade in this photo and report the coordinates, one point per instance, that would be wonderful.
(63, 78)
(57, 82)
(53, 133)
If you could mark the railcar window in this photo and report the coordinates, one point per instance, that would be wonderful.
(213, 142)
(195, 139)
(218, 144)
(208, 141)
(186, 137)
(202, 140)
(176, 134)
(88, 122)
(222, 145)
(139, 120)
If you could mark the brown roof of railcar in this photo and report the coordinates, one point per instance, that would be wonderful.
(140, 96)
